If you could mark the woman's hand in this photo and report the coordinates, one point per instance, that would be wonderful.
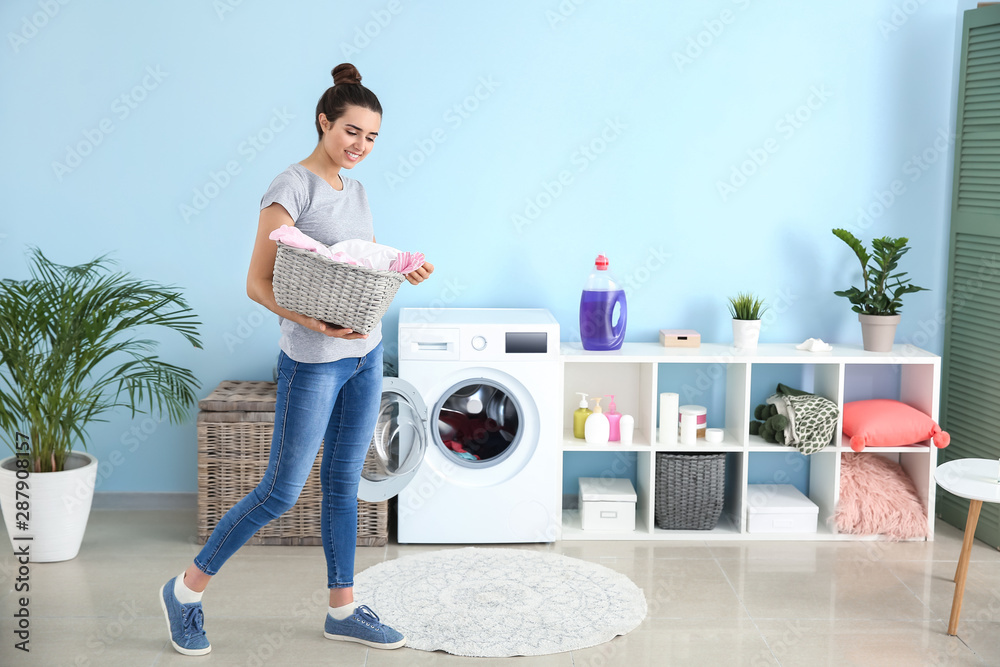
(328, 329)
(420, 274)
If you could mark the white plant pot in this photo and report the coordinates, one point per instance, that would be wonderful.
(58, 507)
(746, 333)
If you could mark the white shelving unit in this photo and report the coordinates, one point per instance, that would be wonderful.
(638, 371)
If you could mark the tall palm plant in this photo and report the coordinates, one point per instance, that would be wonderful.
(57, 327)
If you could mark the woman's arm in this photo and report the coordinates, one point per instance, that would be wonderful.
(260, 277)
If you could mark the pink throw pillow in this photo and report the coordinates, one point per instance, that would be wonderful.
(886, 423)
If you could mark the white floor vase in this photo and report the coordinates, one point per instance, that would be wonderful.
(58, 506)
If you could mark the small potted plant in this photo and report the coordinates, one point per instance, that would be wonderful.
(68, 355)
(746, 310)
(880, 299)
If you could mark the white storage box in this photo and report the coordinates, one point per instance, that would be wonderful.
(607, 504)
(779, 508)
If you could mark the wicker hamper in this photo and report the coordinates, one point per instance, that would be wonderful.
(348, 296)
(690, 490)
(235, 424)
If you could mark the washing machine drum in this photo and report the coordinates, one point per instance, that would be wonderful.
(399, 442)
(478, 422)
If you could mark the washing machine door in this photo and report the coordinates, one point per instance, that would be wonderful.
(399, 443)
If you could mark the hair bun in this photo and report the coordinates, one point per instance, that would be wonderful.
(345, 73)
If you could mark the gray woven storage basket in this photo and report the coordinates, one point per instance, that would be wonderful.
(690, 490)
(235, 427)
(352, 297)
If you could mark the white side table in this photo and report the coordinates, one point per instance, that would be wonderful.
(979, 481)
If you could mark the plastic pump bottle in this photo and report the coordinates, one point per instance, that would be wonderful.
(598, 428)
(580, 417)
(614, 420)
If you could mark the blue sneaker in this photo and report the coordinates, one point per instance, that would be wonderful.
(185, 623)
(363, 627)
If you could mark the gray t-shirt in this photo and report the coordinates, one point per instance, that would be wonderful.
(329, 216)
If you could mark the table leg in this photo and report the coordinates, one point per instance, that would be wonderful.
(963, 564)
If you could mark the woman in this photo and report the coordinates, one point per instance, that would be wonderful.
(329, 380)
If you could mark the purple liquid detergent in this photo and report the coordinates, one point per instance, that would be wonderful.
(598, 330)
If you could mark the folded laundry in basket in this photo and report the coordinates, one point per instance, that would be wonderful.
(352, 251)
(293, 236)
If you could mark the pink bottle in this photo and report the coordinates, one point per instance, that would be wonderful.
(615, 418)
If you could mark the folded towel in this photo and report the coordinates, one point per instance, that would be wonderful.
(814, 345)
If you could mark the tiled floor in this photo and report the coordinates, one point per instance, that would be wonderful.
(710, 603)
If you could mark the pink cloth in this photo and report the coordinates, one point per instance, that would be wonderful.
(404, 263)
(292, 236)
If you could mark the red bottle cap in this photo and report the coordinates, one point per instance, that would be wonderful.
(601, 263)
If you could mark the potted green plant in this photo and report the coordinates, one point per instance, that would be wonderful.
(879, 300)
(68, 355)
(746, 310)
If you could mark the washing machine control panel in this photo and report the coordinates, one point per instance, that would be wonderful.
(479, 343)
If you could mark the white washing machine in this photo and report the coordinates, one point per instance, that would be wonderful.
(469, 434)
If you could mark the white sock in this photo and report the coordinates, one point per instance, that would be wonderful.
(340, 613)
(184, 594)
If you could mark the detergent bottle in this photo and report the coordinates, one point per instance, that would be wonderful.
(603, 292)
(580, 417)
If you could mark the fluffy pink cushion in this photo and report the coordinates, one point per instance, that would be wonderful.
(877, 498)
(885, 423)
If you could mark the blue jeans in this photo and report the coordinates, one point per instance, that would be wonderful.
(336, 403)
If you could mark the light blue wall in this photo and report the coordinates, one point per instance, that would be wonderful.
(662, 134)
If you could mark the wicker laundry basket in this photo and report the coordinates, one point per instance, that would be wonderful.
(234, 441)
(353, 297)
(690, 490)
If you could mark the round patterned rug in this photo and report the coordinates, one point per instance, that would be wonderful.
(501, 602)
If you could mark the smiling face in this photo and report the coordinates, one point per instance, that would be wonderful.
(351, 137)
